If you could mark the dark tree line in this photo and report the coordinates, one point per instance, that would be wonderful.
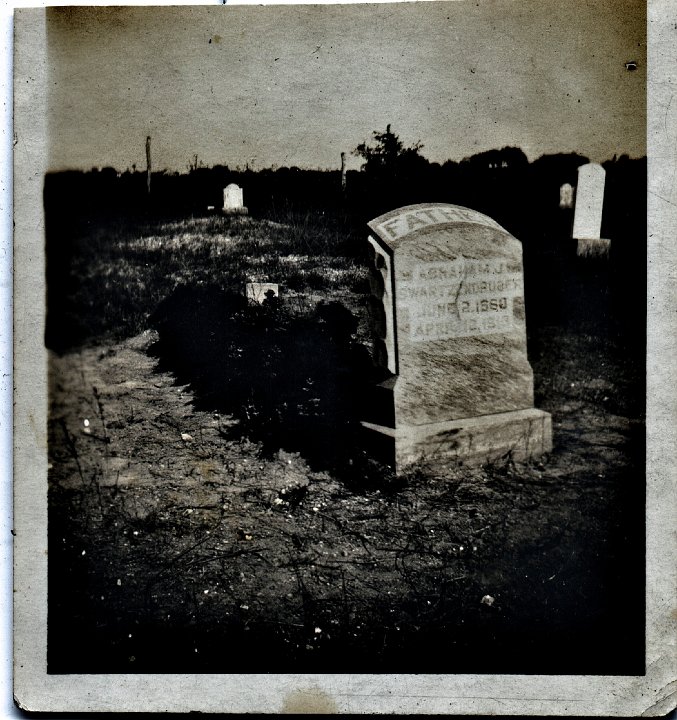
(501, 183)
(522, 196)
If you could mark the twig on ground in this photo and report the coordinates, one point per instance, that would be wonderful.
(70, 444)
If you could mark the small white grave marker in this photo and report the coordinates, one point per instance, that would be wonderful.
(233, 202)
(566, 196)
(588, 213)
(259, 292)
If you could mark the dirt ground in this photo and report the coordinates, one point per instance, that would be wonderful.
(176, 546)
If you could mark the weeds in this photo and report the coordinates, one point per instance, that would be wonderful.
(104, 282)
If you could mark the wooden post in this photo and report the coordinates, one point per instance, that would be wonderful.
(148, 167)
(343, 173)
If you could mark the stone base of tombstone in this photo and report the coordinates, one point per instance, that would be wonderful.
(593, 247)
(235, 211)
(519, 435)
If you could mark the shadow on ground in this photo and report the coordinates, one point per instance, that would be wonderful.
(290, 381)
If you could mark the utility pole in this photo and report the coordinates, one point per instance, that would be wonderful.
(148, 163)
(343, 173)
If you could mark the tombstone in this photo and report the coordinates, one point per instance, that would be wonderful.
(233, 203)
(260, 292)
(449, 319)
(566, 196)
(588, 212)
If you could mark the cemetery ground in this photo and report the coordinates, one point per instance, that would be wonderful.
(211, 508)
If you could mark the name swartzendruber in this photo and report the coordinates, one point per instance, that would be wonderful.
(462, 297)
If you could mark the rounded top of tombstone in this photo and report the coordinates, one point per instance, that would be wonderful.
(411, 220)
(232, 186)
(591, 168)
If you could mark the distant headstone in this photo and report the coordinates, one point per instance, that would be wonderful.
(588, 213)
(233, 202)
(566, 196)
(260, 292)
(448, 315)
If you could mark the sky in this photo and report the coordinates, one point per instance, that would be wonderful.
(284, 85)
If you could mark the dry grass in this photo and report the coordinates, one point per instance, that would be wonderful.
(119, 271)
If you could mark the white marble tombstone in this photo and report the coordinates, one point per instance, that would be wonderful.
(233, 202)
(566, 196)
(588, 212)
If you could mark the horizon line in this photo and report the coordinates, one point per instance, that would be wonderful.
(307, 168)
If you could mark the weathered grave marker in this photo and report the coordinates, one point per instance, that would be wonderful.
(588, 212)
(448, 315)
(233, 202)
(566, 196)
(260, 292)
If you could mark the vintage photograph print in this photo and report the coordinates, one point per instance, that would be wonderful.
(346, 335)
